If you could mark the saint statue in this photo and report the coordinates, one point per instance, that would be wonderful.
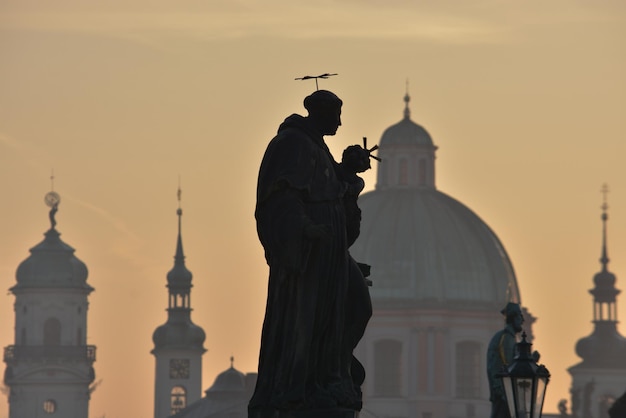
(318, 302)
(500, 354)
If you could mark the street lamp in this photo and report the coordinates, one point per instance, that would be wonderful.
(525, 383)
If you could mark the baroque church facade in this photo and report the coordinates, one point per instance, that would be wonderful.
(440, 277)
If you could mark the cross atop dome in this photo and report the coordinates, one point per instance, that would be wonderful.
(407, 99)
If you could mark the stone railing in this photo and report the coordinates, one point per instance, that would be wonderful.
(16, 353)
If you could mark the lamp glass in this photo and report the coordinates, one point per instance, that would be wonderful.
(524, 392)
(542, 383)
(507, 382)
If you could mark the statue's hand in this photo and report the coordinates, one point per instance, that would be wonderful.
(322, 232)
(356, 159)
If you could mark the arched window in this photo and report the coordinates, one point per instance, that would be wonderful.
(178, 399)
(50, 406)
(52, 332)
(468, 370)
(388, 368)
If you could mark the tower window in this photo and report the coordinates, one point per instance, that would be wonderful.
(388, 368)
(178, 399)
(52, 332)
(50, 406)
(468, 370)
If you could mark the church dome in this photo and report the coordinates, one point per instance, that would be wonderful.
(425, 247)
(604, 348)
(52, 263)
(406, 132)
(229, 381)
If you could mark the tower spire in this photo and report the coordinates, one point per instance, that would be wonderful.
(180, 256)
(179, 343)
(604, 259)
(407, 99)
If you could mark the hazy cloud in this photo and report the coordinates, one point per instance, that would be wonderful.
(30, 154)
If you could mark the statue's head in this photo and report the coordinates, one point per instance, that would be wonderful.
(324, 109)
(514, 317)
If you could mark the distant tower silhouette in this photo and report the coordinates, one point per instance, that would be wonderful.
(179, 343)
(599, 378)
(50, 367)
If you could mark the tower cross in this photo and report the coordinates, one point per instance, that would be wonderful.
(605, 192)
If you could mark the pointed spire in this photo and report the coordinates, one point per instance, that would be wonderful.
(604, 259)
(407, 99)
(179, 275)
(180, 256)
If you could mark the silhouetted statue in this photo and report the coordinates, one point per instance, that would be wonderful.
(318, 303)
(618, 409)
(500, 354)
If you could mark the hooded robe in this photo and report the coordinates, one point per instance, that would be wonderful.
(301, 362)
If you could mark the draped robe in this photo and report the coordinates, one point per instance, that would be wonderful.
(306, 345)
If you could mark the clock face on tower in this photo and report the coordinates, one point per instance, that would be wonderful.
(179, 368)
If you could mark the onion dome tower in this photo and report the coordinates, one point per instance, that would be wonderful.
(50, 367)
(179, 343)
(440, 278)
(599, 378)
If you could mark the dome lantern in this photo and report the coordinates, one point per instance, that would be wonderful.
(408, 153)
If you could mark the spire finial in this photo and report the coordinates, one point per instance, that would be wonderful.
(232, 362)
(604, 259)
(52, 200)
(179, 242)
(179, 193)
(407, 99)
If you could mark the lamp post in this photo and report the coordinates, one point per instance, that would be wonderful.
(525, 383)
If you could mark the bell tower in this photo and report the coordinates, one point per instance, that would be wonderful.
(598, 379)
(179, 343)
(49, 368)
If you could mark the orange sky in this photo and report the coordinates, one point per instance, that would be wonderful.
(525, 101)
